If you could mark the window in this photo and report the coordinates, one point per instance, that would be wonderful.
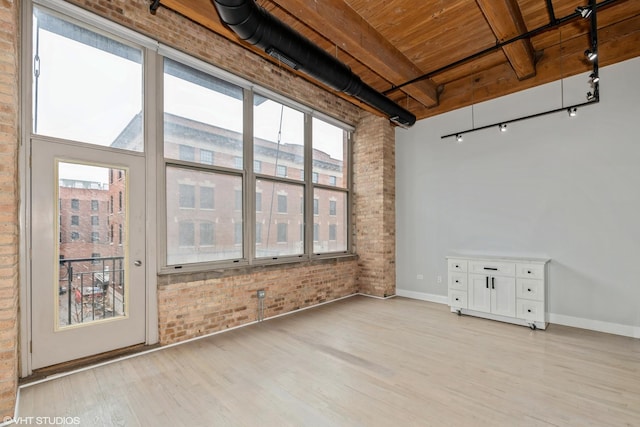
(186, 230)
(206, 198)
(330, 158)
(75, 220)
(209, 184)
(278, 133)
(119, 175)
(95, 255)
(301, 204)
(95, 220)
(120, 236)
(237, 162)
(282, 203)
(75, 204)
(95, 237)
(206, 234)
(316, 206)
(111, 233)
(206, 157)
(282, 232)
(330, 149)
(75, 236)
(201, 111)
(258, 202)
(110, 176)
(276, 196)
(187, 195)
(337, 201)
(281, 171)
(72, 99)
(120, 201)
(95, 205)
(187, 153)
(257, 166)
(111, 202)
(314, 177)
(332, 232)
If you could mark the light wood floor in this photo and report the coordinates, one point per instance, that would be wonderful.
(363, 362)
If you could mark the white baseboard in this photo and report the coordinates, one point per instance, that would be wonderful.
(595, 325)
(440, 299)
(558, 319)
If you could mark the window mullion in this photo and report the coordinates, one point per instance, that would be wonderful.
(249, 182)
(308, 177)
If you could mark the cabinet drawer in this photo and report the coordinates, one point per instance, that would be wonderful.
(530, 271)
(530, 310)
(530, 289)
(457, 299)
(459, 265)
(493, 268)
(458, 281)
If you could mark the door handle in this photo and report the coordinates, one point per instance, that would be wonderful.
(487, 282)
(493, 283)
(137, 263)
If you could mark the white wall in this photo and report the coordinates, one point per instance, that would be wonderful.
(566, 188)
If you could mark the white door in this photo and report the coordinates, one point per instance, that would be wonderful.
(479, 293)
(503, 296)
(88, 242)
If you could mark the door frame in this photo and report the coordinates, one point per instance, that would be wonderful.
(152, 86)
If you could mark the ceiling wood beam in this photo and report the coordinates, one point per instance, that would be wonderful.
(339, 23)
(505, 19)
(616, 43)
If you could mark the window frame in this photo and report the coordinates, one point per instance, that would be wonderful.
(250, 175)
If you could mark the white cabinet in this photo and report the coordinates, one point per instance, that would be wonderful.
(500, 288)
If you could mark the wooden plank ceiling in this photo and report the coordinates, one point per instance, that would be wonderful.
(388, 43)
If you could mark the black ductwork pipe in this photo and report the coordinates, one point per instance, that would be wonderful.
(257, 26)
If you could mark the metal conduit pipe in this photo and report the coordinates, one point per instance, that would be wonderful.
(255, 25)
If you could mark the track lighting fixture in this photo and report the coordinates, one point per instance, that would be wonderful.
(594, 78)
(584, 11)
(503, 127)
(591, 54)
(572, 111)
(591, 96)
(459, 137)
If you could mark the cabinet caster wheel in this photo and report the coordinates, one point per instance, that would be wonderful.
(533, 326)
(459, 312)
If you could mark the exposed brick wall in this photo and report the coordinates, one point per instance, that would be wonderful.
(374, 189)
(8, 205)
(196, 304)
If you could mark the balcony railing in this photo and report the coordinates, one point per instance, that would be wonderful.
(91, 289)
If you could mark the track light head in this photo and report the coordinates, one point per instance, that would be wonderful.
(591, 96)
(594, 78)
(459, 137)
(503, 127)
(584, 11)
(591, 54)
(572, 111)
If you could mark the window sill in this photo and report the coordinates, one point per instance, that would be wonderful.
(167, 277)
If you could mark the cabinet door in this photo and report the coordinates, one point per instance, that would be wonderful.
(479, 297)
(503, 296)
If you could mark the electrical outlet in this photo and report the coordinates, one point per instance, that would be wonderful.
(439, 279)
(420, 277)
(261, 293)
